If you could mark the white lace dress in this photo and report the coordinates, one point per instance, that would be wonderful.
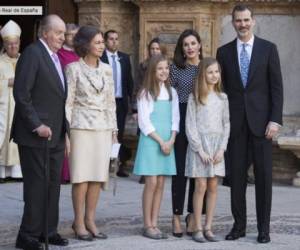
(207, 129)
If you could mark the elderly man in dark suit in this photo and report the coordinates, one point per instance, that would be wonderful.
(253, 82)
(122, 75)
(40, 93)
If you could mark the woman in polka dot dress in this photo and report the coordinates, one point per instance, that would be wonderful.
(183, 71)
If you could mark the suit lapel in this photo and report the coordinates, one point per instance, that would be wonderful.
(121, 60)
(256, 51)
(52, 69)
(104, 57)
(236, 64)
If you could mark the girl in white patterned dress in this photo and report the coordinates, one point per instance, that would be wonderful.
(207, 130)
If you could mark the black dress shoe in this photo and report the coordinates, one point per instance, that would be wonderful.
(235, 234)
(187, 225)
(56, 239)
(28, 243)
(142, 180)
(121, 173)
(263, 237)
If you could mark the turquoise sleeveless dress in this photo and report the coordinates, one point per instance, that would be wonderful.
(149, 158)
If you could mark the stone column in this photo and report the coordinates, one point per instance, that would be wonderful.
(118, 15)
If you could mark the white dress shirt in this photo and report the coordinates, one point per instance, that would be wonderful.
(145, 108)
(118, 89)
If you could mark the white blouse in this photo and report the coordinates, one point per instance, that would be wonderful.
(145, 108)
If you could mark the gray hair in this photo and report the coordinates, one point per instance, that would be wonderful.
(46, 24)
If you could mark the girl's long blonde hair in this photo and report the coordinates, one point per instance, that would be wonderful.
(150, 83)
(201, 91)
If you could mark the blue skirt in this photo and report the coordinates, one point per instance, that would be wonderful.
(149, 158)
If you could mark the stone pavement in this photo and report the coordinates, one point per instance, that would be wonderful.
(120, 217)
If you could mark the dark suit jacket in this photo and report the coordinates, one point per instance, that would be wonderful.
(40, 98)
(262, 99)
(126, 75)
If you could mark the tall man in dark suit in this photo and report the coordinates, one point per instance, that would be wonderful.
(253, 82)
(122, 75)
(40, 93)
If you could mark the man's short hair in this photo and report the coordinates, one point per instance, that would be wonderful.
(108, 32)
(241, 7)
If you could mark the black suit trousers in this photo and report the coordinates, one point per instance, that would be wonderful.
(33, 170)
(179, 180)
(237, 151)
(121, 120)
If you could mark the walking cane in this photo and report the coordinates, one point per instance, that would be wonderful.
(46, 169)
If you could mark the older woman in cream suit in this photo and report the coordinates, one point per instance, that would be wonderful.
(91, 111)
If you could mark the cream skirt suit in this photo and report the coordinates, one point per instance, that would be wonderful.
(91, 111)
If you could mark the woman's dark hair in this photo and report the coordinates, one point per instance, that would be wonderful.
(162, 47)
(83, 38)
(179, 58)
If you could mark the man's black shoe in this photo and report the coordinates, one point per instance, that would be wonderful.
(28, 243)
(56, 239)
(263, 237)
(235, 234)
(121, 173)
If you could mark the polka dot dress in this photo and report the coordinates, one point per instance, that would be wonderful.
(183, 80)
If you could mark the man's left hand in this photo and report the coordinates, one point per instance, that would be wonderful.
(271, 130)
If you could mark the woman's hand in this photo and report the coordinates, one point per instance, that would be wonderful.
(205, 157)
(165, 148)
(11, 82)
(169, 145)
(218, 156)
(115, 137)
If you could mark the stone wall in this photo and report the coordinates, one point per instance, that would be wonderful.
(138, 21)
(284, 31)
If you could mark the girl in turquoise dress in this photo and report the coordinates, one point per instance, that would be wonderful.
(158, 120)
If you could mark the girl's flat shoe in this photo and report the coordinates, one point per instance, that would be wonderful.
(162, 234)
(211, 238)
(151, 235)
(100, 236)
(198, 236)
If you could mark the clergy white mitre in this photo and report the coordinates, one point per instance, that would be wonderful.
(10, 30)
